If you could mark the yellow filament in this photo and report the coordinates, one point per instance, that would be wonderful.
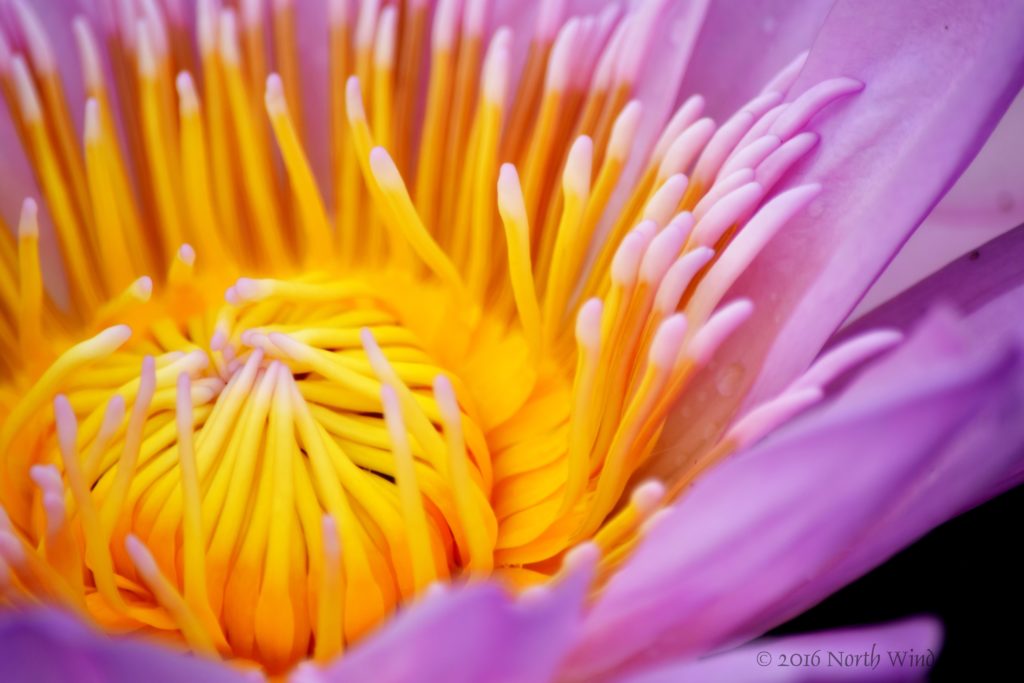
(163, 166)
(407, 222)
(76, 357)
(97, 556)
(30, 308)
(193, 535)
(205, 232)
(273, 617)
(383, 77)
(439, 97)
(310, 206)
(345, 166)
(517, 235)
(224, 179)
(76, 254)
(288, 61)
(576, 192)
(255, 173)
(169, 598)
(111, 509)
(409, 493)
(329, 629)
(481, 551)
(114, 248)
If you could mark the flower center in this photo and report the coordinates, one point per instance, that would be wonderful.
(266, 467)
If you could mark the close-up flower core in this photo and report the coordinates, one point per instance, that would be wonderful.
(254, 407)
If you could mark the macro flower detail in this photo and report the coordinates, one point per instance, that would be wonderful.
(350, 339)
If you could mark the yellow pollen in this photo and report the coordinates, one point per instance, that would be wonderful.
(259, 406)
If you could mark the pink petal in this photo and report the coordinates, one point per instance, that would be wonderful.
(759, 537)
(987, 286)
(938, 77)
(474, 634)
(48, 645)
(986, 201)
(742, 45)
(869, 653)
(983, 459)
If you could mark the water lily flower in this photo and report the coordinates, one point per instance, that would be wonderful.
(480, 340)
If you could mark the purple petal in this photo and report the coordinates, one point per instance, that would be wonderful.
(981, 460)
(987, 201)
(474, 634)
(987, 286)
(46, 645)
(742, 45)
(870, 653)
(759, 538)
(938, 77)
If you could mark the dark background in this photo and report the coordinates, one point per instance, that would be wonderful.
(968, 572)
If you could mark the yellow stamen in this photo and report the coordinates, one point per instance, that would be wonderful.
(409, 494)
(517, 235)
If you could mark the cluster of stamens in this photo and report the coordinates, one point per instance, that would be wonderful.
(291, 414)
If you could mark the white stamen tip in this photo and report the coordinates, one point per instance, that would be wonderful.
(46, 477)
(28, 225)
(626, 262)
(446, 24)
(115, 336)
(28, 97)
(668, 342)
(274, 96)
(187, 255)
(583, 557)
(227, 37)
(647, 496)
(36, 40)
(354, 100)
(769, 416)
(142, 289)
(67, 425)
(510, 194)
(140, 557)
(578, 167)
(624, 130)
(588, 324)
(384, 169)
(385, 46)
(444, 394)
(93, 129)
(720, 327)
(332, 540)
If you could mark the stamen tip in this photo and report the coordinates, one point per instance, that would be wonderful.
(581, 558)
(142, 289)
(668, 341)
(187, 255)
(647, 496)
(354, 100)
(118, 334)
(588, 323)
(28, 226)
(384, 169)
(274, 96)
